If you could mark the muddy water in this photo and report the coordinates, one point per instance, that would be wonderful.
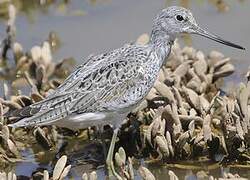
(87, 27)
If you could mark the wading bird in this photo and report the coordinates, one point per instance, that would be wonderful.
(106, 87)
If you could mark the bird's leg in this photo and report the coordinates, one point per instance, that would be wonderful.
(100, 135)
(109, 160)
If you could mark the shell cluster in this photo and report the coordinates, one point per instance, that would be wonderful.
(34, 70)
(36, 66)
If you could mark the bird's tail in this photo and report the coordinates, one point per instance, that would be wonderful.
(45, 117)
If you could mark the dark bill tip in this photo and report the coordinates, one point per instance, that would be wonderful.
(228, 43)
(216, 38)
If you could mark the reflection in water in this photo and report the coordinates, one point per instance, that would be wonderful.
(29, 7)
(26, 6)
(221, 5)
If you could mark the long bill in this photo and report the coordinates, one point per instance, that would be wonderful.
(202, 32)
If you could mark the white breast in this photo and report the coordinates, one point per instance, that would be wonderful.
(85, 120)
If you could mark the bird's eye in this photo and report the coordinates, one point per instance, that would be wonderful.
(179, 18)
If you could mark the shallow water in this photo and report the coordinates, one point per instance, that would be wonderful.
(87, 27)
(91, 27)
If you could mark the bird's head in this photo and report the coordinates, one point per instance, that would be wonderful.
(175, 20)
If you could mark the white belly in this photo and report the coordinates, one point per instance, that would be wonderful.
(85, 120)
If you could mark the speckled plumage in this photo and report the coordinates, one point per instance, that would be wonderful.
(106, 87)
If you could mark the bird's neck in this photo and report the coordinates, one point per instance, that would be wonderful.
(161, 43)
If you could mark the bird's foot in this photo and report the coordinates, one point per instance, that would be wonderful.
(112, 174)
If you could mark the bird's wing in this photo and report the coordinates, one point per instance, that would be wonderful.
(107, 82)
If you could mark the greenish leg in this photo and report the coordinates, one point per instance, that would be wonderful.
(109, 160)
